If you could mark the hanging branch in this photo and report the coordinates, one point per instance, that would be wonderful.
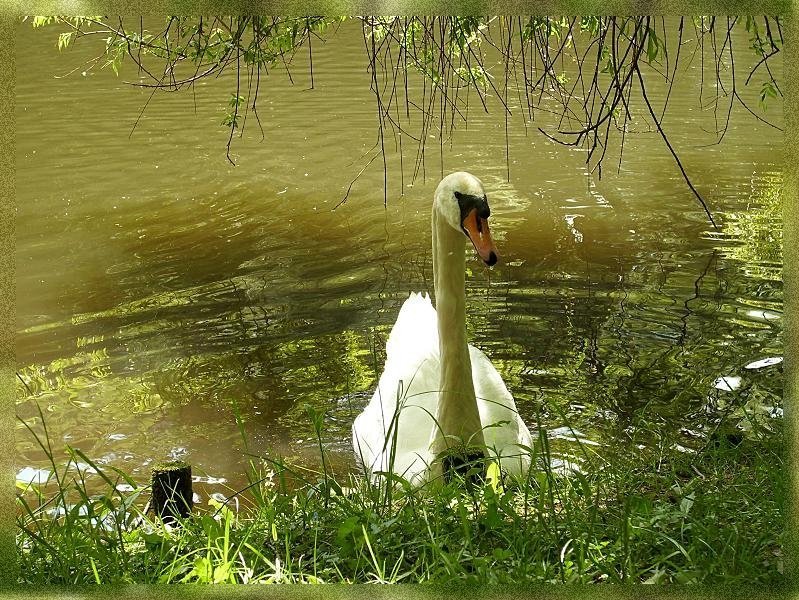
(671, 149)
(444, 61)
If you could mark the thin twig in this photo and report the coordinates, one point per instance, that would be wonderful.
(671, 149)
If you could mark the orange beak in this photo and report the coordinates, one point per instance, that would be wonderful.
(477, 229)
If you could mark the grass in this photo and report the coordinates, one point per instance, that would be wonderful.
(641, 516)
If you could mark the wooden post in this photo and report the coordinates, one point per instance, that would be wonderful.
(172, 493)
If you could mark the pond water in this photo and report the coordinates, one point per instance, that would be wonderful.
(162, 291)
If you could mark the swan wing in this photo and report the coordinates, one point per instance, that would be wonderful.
(504, 430)
(393, 431)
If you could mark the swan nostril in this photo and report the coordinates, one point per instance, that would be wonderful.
(492, 259)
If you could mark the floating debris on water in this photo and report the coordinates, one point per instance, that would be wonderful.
(765, 362)
(727, 383)
(208, 479)
(31, 475)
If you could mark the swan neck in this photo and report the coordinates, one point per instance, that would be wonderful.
(457, 413)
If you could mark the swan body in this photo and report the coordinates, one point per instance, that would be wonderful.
(438, 394)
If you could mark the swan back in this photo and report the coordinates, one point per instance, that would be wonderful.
(415, 331)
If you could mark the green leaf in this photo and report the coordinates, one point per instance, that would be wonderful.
(221, 573)
(202, 571)
(41, 21)
(767, 90)
(494, 477)
(346, 527)
(686, 504)
(235, 100)
(651, 47)
(64, 39)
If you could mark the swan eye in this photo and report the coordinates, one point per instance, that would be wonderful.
(468, 203)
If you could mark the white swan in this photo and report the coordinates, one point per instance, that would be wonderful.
(439, 396)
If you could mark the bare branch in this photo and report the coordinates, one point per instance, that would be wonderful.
(671, 149)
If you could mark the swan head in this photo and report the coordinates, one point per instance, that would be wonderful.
(461, 201)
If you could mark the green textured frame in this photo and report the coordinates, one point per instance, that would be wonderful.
(12, 10)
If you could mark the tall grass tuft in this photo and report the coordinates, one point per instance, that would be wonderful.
(709, 517)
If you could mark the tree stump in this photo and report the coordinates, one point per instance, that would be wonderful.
(172, 493)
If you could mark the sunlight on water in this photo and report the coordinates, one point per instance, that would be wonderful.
(166, 298)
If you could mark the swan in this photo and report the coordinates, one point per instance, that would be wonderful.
(439, 402)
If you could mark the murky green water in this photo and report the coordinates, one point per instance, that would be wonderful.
(161, 291)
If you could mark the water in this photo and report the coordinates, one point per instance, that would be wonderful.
(162, 291)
